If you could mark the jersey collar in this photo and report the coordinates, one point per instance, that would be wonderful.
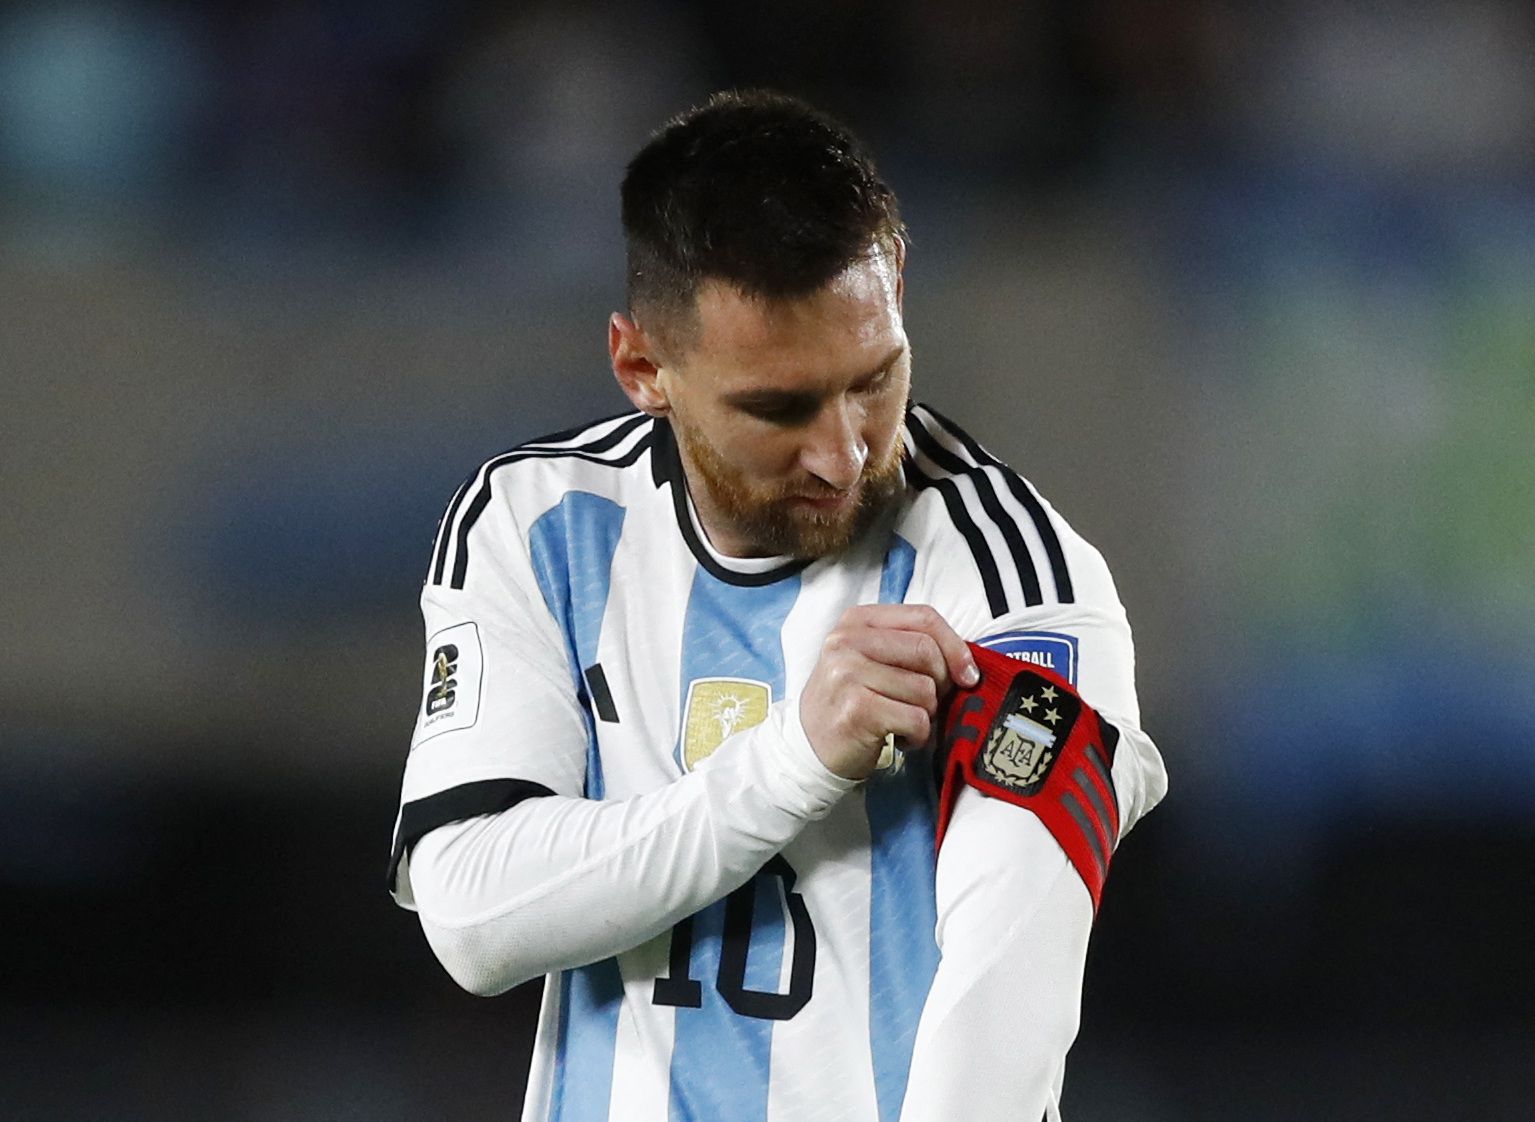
(666, 468)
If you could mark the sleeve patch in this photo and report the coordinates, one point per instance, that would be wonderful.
(1050, 649)
(455, 667)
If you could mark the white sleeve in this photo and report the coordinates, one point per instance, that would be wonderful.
(1013, 914)
(1005, 1003)
(499, 716)
(558, 882)
(513, 872)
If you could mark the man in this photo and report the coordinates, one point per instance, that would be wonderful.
(668, 656)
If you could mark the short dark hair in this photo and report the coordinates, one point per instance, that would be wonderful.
(753, 188)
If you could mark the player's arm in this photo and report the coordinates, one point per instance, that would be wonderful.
(515, 874)
(512, 871)
(559, 881)
(1017, 879)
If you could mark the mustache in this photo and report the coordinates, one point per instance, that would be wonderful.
(875, 476)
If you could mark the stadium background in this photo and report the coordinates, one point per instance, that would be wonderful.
(1247, 294)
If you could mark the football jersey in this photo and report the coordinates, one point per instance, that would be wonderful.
(585, 640)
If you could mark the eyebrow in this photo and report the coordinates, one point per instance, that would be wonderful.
(796, 400)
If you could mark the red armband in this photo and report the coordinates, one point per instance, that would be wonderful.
(1024, 735)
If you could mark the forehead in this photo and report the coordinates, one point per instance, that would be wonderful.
(834, 332)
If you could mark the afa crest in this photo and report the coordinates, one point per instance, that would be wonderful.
(1023, 743)
(1019, 754)
(716, 709)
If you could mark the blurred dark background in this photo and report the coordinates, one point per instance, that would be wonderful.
(1247, 293)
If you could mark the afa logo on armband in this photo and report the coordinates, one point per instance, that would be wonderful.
(1050, 649)
(454, 668)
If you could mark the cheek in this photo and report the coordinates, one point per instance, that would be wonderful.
(767, 458)
(756, 455)
(883, 426)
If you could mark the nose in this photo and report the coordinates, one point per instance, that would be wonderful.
(835, 450)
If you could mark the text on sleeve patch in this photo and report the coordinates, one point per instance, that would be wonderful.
(455, 668)
(1050, 649)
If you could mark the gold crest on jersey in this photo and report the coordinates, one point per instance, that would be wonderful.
(718, 708)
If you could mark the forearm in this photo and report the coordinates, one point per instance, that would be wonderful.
(1014, 920)
(558, 882)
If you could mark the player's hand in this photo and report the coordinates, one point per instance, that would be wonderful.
(883, 669)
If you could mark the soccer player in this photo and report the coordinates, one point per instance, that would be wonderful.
(786, 730)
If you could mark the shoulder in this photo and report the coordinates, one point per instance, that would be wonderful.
(998, 546)
(498, 501)
(590, 456)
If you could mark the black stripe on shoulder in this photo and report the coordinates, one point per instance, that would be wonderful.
(1023, 563)
(595, 452)
(445, 529)
(1026, 498)
(991, 578)
(571, 433)
(601, 444)
(468, 800)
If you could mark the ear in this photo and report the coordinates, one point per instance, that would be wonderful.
(636, 365)
(900, 275)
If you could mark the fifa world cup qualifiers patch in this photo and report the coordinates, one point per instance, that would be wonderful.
(1023, 735)
(451, 692)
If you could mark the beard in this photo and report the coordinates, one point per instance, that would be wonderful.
(767, 516)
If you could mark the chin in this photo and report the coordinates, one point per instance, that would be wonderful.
(817, 541)
(809, 537)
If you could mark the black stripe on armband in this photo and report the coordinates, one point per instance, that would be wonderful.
(1102, 761)
(467, 800)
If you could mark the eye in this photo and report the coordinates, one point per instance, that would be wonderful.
(880, 380)
(876, 383)
(781, 410)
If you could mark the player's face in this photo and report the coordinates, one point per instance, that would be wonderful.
(788, 413)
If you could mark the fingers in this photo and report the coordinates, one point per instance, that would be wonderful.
(912, 687)
(873, 716)
(883, 670)
(910, 724)
(911, 651)
(847, 722)
(953, 663)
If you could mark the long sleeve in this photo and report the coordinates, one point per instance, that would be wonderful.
(1013, 915)
(1005, 1003)
(1014, 919)
(557, 882)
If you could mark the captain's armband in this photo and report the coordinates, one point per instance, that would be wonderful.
(1023, 735)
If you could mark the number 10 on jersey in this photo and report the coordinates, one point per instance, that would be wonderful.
(678, 987)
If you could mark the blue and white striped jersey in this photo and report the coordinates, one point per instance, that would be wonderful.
(584, 640)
